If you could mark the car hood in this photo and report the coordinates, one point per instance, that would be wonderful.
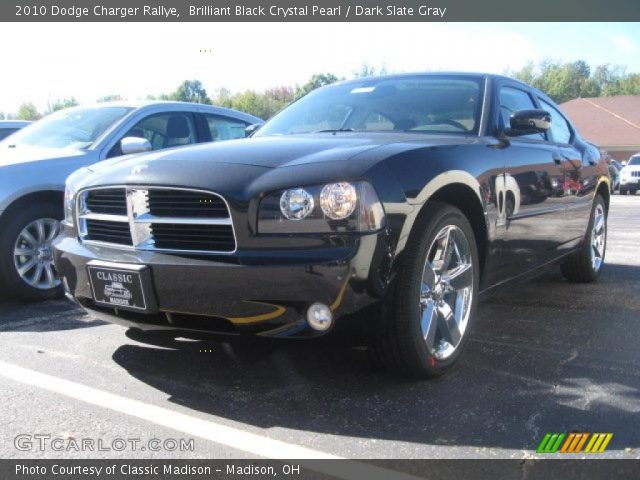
(282, 151)
(258, 164)
(27, 154)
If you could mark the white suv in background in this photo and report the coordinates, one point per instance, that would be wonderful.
(630, 176)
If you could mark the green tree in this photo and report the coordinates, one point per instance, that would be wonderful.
(189, 91)
(28, 111)
(630, 85)
(317, 80)
(61, 104)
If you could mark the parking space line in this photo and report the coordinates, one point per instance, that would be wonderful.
(248, 442)
(209, 430)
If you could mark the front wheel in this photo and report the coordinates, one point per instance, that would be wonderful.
(428, 319)
(26, 256)
(586, 264)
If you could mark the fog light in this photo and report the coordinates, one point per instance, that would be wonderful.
(319, 317)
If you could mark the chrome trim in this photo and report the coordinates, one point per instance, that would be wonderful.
(140, 219)
(148, 218)
(482, 127)
(105, 217)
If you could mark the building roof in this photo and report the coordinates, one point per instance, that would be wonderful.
(607, 121)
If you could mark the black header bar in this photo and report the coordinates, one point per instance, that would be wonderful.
(319, 11)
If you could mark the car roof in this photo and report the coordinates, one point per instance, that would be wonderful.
(171, 105)
(14, 123)
(471, 75)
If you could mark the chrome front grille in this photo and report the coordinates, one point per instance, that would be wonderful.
(111, 201)
(635, 173)
(185, 203)
(156, 218)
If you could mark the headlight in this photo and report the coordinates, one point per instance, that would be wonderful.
(340, 207)
(69, 195)
(71, 188)
(338, 200)
(296, 204)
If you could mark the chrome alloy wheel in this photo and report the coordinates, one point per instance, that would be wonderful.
(598, 237)
(33, 254)
(447, 292)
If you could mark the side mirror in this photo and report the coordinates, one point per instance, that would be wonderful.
(525, 122)
(130, 145)
(251, 129)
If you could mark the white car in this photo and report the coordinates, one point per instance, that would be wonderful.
(630, 176)
(36, 161)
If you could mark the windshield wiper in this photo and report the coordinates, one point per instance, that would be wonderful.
(334, 130)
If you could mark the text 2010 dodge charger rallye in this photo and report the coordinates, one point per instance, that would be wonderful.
(393, 201)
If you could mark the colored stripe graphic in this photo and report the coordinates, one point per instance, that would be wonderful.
(574, 443)
(598, 442)
(550, 443)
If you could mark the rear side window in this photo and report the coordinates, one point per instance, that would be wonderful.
(512, 100)
(225, 128)
(5, 132)
(560, 129)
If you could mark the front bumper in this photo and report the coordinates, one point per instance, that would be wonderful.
(265, 294)
(633, 182)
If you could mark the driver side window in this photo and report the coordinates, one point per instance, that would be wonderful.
(162, 130)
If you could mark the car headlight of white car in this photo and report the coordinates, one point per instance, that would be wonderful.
(71, 188)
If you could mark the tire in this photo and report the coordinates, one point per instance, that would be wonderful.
(400, 342)
(585, 265)
(633, 192)
(12, 284)
(623, 191)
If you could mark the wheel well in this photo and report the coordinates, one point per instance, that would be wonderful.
(463, 197)
(603, 190)
(48, 196)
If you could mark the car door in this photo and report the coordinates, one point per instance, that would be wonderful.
(162, 130)
(580, 174)
(531, 198)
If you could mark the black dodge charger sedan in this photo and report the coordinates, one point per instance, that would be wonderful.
(391, 203)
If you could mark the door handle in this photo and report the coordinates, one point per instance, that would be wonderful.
(557, 159)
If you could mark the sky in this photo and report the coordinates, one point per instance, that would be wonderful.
(48, 61)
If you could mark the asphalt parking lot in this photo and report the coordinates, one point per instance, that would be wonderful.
(546, 356)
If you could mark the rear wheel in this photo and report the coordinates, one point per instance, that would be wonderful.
(26, 255)
(586, 264)
(428, 319)
(633, 192)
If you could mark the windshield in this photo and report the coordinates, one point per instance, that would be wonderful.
(74, 127)
(437, 104)
(634, 161)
